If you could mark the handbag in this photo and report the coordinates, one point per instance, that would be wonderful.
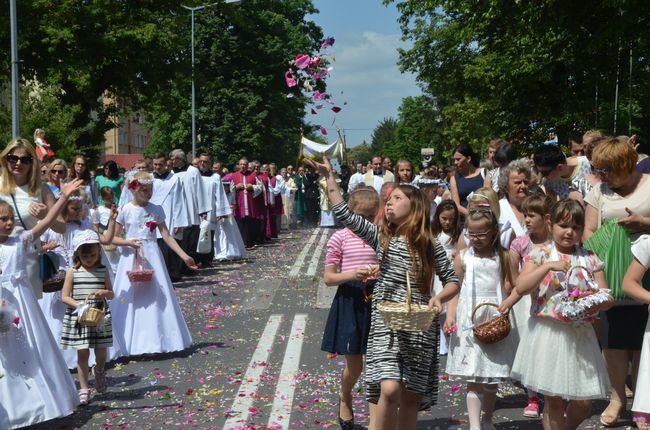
(45, 262)
(205, 240)
(139, 274)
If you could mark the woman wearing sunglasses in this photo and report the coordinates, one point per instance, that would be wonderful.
(21, 187)
(58, 170)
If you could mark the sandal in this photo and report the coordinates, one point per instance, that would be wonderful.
(84, 396)
(100, 380)
(611, 420)
(345, 424)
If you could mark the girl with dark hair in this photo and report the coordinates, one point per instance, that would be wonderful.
(112, 179)
(468, 176)
(81, 171)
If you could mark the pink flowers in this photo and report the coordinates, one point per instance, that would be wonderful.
(302, 61)
(151, 225)
(291, 81)
(16, 321)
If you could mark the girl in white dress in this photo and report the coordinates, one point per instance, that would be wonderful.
(632, 286)
(75, 216)
(35, 385)
(146, 316)
(480, 365)
(446, 228)
(101, 217)
(561, 359)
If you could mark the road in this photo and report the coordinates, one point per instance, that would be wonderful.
(256, 361)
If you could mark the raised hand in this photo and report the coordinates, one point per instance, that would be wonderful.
(70, 187)
(324, 168)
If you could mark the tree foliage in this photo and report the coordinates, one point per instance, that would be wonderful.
(108, 57)
(361, 153)
(516, 69)
(384, 134)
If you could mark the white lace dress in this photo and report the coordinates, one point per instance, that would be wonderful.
(469, 359)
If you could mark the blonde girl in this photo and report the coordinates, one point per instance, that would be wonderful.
(558, 359)
(88, 276)
(401, 367)
(482, 367)
(352, 267)
(405, 172)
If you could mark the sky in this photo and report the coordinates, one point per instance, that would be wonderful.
(367, 38)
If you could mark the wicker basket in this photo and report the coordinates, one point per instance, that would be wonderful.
(407, 316)
(55, 283)
(494, 330)
(139, 274)
(93, 316)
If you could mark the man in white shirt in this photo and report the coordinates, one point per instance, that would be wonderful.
(377, 175)
(356, 179)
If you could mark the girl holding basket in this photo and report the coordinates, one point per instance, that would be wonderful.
(482, 366)
(560, 356)
(401, 366)
(146, 316)
(87, 279)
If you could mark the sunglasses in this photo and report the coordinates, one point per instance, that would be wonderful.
(599, 172)
(25, 159)
(58, 172)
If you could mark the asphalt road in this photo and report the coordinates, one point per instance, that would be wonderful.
(256, 361)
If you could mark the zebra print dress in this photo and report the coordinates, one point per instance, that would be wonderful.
(408, 357)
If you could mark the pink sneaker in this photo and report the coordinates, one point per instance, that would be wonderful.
(532, 410)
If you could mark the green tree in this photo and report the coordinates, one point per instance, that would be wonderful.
(361, 153)
(516, 69)
(383, 135)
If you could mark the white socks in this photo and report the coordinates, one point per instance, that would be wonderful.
(474, 410)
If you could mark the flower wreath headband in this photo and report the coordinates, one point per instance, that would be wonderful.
(135, 183)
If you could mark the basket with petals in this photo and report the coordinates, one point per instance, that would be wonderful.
(55, 283)
(93, 316)
(579, 298)
(493, 330)
(139, 274)
(407, 316)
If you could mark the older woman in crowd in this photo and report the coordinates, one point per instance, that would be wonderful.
(514, 179)
(21, 187)
(622, 195)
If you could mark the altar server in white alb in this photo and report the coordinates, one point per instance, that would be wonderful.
(197, 199)
(169, 194)
(228, 242)
(147, 318)
(35, 385)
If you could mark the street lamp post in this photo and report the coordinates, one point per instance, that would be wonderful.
(15, 95)
(194, 9)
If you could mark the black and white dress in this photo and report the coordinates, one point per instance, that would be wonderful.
(408, 357)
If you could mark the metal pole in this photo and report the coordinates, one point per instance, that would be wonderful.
(193, 95)
(15, 95)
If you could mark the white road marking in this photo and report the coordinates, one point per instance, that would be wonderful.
(301, 257)
(284, 391)
(313, 264)
(248, 388)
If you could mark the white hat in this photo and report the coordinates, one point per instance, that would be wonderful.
(84, 237)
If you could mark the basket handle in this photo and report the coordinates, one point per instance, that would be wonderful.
(480, 306)
(104, 303)
(571, 270)
(138, 263)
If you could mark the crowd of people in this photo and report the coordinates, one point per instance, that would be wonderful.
(556, 245)
(88, 261)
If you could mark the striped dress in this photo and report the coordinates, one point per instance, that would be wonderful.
(408, 357)
(77, 336)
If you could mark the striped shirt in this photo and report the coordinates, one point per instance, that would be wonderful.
(347, 251)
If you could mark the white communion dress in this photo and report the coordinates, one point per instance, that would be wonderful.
(147, 318)
(35, 384)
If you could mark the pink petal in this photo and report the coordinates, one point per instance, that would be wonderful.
(288, 77)
(323, 131)
(302, 61)
(315, 62)
(318, 95)
(336, 109)
(313, 112)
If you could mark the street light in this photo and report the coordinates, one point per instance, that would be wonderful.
(194, 9)
(15, 95)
